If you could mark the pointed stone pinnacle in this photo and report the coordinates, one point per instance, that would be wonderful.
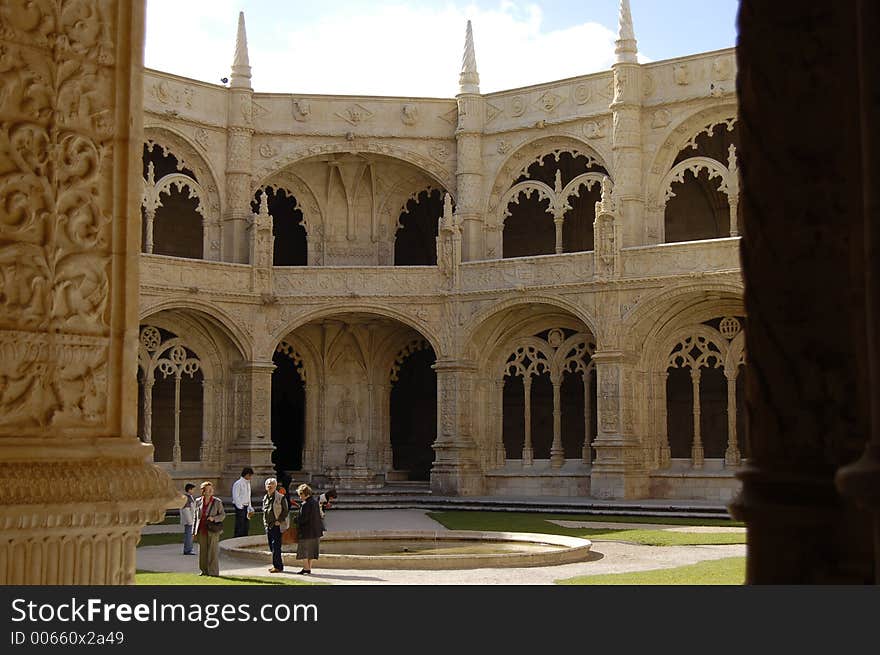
(626, 47)
(241, 68)
(469, 80)
(447, 208)
(264, 203)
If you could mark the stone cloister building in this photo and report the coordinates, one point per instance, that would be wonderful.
(77, 485)
(528, 292)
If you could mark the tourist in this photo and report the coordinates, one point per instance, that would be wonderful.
(186, 518)
(208, 525)
(310, 528)
(275, 510)
(241, 499)
(326, 500)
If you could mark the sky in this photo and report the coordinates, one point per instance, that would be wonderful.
(414, 49)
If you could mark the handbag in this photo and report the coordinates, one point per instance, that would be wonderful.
(290, 536)
(212, 525)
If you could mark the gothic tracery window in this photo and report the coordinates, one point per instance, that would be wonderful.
(701, 190)
(172, 206)
(704, 393)
(170, 381)
(551, 207)
(546, 397)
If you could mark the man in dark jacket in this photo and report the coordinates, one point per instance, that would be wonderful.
(275, 510)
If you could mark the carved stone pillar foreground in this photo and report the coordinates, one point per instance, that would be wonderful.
(76, 485)
(456, 470)
(807, 384)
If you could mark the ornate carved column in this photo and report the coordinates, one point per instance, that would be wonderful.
(663, 436)
(806, 289)
(733, 191)
(239, 134)
(606, 234)
(626, 135)
(469, 152)
(557, 454)
(261, 246)
(175, 448)
(499, 455)
(209, 422)
(697, 445)
(618, 471)
(149, 219)
(70, 148)
(731, 455)
(558, 220)
(253, 444)
(148, 407)
(527, 453)
(587, 450)
(310, 450)
(386, 454)
(456, 470)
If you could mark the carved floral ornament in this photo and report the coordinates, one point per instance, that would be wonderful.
(56, 153)
(169, 357)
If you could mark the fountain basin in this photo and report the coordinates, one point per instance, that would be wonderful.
(425, 550)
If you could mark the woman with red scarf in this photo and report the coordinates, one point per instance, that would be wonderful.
(207, 528)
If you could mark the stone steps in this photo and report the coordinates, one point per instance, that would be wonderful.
(383, 499)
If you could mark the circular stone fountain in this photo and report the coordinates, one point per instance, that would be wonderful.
(407, 549)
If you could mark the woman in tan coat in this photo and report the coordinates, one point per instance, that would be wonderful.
(207, 528)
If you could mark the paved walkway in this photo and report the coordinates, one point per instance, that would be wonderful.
(608, 557)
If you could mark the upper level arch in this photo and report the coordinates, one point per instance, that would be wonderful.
(687, 140)
(334, 310)
(517, 163)
(501, 321)
(208, 314)
(543, 199)
(658, 317)
(352, 201)
(443, 175)
(189, 157)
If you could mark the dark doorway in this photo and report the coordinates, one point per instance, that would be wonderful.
(288, 415)
(414, 415)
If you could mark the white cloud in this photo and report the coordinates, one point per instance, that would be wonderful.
(380, 49)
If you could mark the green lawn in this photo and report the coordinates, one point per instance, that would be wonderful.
(727, 571)
(256, 528)
(628, 531)
(154, 578)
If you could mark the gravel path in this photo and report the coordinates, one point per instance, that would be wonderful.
(607, 557)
